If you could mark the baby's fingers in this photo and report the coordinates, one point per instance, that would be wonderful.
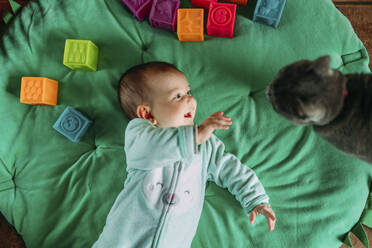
(222, 123)
(226, 122)
(271, 219)
(217, 114)
(222, 120)
(220, 115)
(253, 216)
(271, 223)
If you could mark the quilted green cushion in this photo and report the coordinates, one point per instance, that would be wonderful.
(58, 193)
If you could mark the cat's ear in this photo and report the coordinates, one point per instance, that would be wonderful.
(321, 66)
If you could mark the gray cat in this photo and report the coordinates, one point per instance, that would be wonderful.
(338, 106)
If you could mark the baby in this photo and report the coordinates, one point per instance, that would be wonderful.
(169, 160)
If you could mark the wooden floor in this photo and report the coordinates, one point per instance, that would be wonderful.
(359, 12)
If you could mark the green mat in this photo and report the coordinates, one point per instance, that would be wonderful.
(58, 193)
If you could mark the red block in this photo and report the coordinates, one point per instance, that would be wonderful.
(221, 19)
(5, 5)
(202, 3)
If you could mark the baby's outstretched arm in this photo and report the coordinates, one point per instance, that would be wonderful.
(267, 211)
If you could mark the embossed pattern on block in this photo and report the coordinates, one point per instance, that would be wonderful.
(80, 55)
(190, 24)
(72, 124)
(163, 14)
(39, 91)
(269, 12)
(140, 8)
(221, 19)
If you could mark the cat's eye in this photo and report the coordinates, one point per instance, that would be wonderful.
(302, 117)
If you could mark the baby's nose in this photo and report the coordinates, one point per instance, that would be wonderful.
(191, 99)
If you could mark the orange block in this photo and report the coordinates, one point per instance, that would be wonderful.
(39, 91)
(190, 24)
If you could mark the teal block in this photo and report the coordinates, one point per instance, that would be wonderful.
(80, 55)
(72, 124)
(269, 12)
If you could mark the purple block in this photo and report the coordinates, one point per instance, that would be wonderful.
(163, 14)
(140, 8)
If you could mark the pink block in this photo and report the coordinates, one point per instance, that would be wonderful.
(163, 14)
(202, 3)
(221, 19)
(140, 8)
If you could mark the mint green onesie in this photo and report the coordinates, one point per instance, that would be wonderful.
(162, 199)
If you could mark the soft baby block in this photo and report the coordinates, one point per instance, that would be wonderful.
(202, 3)
(72, 124)
(39, 91)
(80, 55)
(221, 19)
(190, 24)
(241, 2)
(269, 12)
(140, 8)
(163, 14)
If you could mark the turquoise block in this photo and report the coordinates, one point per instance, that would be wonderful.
(269, 12)
(72, 124)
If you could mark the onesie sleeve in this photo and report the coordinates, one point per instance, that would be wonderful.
(147, 146)
(227, 171)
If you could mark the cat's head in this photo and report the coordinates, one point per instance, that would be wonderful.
(308, 92)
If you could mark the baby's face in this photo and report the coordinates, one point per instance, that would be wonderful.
(172, 103)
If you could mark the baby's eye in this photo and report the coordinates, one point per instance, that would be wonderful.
(178, 96)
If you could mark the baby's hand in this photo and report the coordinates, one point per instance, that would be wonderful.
(265, 210)
(214, 121)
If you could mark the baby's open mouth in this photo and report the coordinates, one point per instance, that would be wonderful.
(188, 115)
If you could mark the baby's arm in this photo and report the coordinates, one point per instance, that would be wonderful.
(227, 171)
(148, 147)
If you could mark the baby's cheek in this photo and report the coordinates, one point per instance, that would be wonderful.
(178, 113)
(167, 117)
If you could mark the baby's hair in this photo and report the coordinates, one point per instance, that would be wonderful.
(133, 88)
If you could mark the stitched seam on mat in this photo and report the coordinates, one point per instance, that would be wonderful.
(6, 168)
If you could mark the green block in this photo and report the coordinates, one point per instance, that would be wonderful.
(80, 55)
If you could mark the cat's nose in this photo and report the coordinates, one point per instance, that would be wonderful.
(268, 91)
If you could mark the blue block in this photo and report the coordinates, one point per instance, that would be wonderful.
(72, 124)
(269, 12)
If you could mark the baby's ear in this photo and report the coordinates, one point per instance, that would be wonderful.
(144, 112)
(321, 66)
